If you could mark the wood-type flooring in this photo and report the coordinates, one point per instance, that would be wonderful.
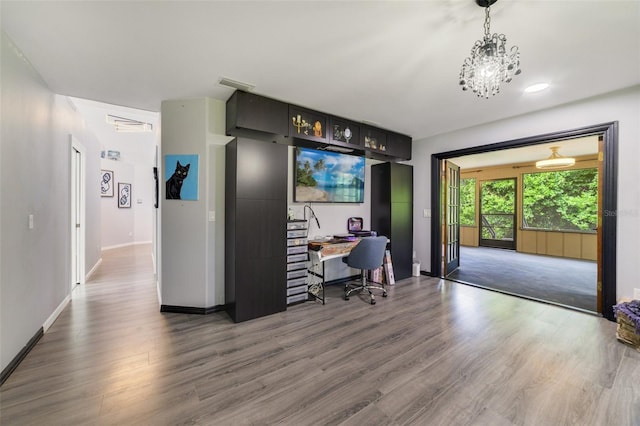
(433, 353)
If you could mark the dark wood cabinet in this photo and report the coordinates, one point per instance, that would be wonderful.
(255, 116)
(344, 133)
(307, 124)
(373, 140)
(399, 146)
(392, 212)
(255, 226)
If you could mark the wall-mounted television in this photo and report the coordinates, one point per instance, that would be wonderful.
(328, 177)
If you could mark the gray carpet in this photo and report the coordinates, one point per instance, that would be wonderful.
(561, 281)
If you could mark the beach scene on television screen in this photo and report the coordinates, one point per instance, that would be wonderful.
(328, 177)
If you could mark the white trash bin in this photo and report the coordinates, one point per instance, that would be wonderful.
(416, 269)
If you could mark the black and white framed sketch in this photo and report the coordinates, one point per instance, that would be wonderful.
(106, 183)
(124, 195)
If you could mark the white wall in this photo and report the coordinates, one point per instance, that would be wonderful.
(35, 176)
(192, 246)
(622, 106)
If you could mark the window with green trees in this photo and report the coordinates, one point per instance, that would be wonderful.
(561, 200)
(498, 209)
(468, 202)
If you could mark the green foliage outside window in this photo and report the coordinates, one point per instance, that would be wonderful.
(561, 200)
(498, 203)
(468, 202)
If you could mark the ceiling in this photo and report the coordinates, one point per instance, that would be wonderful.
(567, 148)
(393, 63)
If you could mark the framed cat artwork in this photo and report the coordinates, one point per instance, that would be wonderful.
(181, 177)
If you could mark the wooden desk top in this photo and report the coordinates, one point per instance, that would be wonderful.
(331, 248)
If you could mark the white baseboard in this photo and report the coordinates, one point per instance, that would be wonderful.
(133, 243)
(93, 270)
(52, 318)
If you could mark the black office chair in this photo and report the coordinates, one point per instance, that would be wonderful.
(367, 255)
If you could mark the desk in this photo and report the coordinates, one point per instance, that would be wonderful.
(319, 253)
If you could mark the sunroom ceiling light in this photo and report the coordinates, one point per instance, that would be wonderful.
(555, 161)
(489, 64)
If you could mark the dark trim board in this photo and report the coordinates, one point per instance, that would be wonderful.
(609, 133)
(191, 309)
(21, 355)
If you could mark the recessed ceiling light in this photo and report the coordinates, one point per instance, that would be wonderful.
(536, 87)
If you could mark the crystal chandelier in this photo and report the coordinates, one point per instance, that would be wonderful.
(489, 63)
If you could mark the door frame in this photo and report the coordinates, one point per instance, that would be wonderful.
(77, 212)
(510, 245)
(607, 217)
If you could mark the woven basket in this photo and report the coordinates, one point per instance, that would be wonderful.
(626, 331)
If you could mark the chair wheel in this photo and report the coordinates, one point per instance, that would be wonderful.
(346, 298)
(373, 301)
(384, 294)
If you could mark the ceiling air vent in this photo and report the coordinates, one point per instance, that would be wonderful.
(245, 87)
(123, 124)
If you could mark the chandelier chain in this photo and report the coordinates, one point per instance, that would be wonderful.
(487, 24)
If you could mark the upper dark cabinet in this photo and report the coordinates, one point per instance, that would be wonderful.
(256, 117)
(373, 139)
(307, 124)
(250, 114)
(344, 133)
(399, 146)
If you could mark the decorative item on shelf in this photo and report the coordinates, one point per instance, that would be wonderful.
(343, 131)
(555, 160)
(489, 63)
(317, 129)
(307, 124)
(370, 142)
(301, 124)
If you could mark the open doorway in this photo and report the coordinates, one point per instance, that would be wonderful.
(606, 235)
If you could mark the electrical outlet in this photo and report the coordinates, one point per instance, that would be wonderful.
(636, 293)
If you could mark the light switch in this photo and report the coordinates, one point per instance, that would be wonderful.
(212, 216)
(30, 221)
(426, 213)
